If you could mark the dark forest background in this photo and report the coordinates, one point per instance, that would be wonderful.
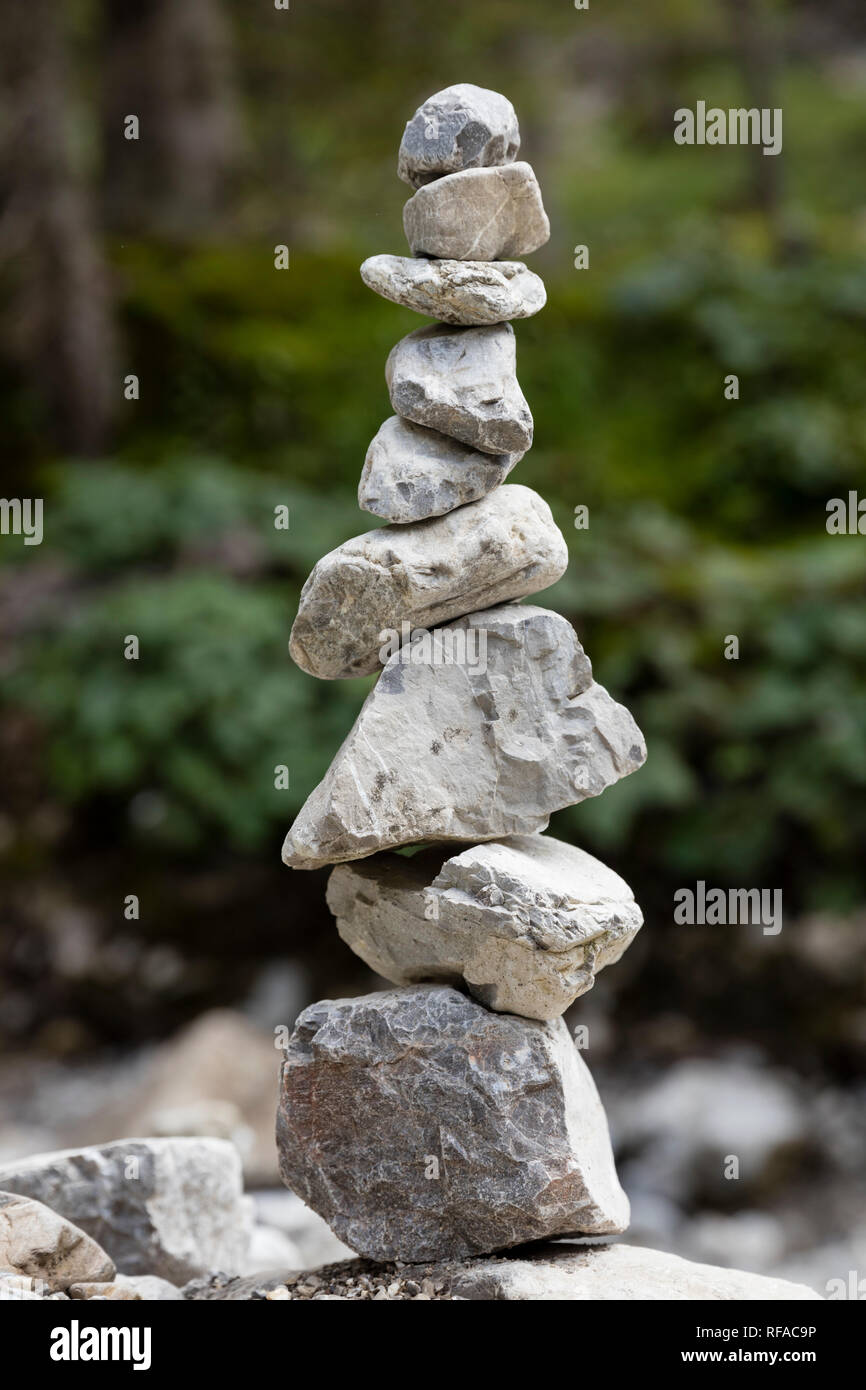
(155, 257)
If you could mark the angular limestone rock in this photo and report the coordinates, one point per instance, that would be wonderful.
(504, 546)
(565, 1273)
(446, 750)
(169, 1207)
(479, 215)
(43, 1245)
(411, 473)
(462, 382)
(525, 923)
(457, 292)
(421, 1126)
(462, 127)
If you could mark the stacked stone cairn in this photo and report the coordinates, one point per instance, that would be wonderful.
(453, 1116)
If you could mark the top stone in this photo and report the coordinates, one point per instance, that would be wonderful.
(462, 127)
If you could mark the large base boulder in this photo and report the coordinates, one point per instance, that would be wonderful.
(421, 1126)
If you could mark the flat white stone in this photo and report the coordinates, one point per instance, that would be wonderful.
(457, 292)
(604, 1273)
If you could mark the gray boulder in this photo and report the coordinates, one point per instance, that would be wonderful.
(421, 1127)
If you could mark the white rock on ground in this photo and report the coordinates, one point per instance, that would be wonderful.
(448, 752)
(38, 1242)
(457, 292)
(126, 1288)
(462, 382)
(271, 1249)
(525, 923)
(615, 1272)
(422, 1126)
(502, 547)
(461, 127)
(412, 473)
(169, 1207)
(479, 215)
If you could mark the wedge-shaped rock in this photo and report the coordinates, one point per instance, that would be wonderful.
(170, 1207)
(477, 731)
(458, 292)
(411, 473)
(462, 382)
(462, 127)
(421, 1126)
(479, 215)
(502, 547)
(525, 923)
(38, 1242)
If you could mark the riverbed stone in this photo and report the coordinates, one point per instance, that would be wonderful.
(478, 215)
(412, 473)
(399, 578)
(524, 923)
(457, 292)
(422, 1126)
(479, 730)
(462, 382)
(169, 1207)
(461, 127)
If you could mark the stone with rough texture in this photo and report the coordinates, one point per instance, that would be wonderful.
(504, 546)
(563, 1273)
(461, 127)
(421, 1126)
(412, 473)
(479, 215)
(462, 382)
(457, 292)
(524, 923)
(38, 1242)
(169, 1207)
(447, 752)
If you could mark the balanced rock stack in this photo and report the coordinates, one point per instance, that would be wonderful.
(453, 1116)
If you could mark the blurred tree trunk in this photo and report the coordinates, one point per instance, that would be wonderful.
(753, 40)
(169, 63)
(59, 326)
